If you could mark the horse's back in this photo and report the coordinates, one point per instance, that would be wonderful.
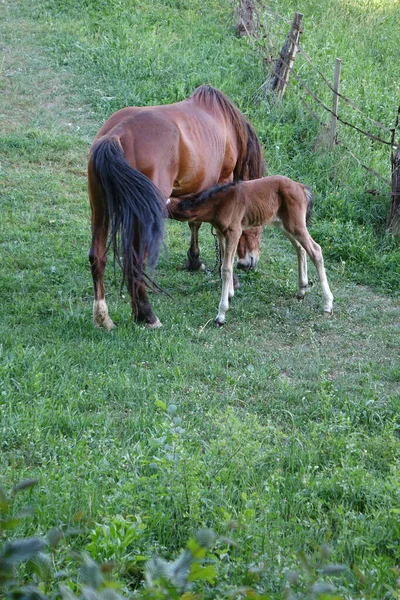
(181, 147)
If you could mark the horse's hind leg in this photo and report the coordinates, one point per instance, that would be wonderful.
(193, 262)
(301, 263)
(141, 308)
(98, 259)
(144, 312)
(315, 253)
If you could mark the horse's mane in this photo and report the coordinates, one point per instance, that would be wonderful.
(191, 201)
(250, 163)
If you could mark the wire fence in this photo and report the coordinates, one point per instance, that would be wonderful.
(284, 72)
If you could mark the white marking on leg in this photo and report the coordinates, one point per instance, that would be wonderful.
(231, 288)
(302, 276)
(228, 245)
(315, 253)
(100, 315)
(224, 302)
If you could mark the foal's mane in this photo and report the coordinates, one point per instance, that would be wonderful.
(191, 201)
(250, 163)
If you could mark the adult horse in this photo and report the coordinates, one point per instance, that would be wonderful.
(142, 156)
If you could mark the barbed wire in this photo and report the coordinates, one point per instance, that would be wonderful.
(291, 71)
(341, 96)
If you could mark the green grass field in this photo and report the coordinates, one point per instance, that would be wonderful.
(280, 431)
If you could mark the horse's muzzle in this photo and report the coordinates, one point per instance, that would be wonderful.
(250, 261)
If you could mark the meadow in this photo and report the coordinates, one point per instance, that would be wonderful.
(280, 432)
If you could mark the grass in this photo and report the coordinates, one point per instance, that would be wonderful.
(281, 430)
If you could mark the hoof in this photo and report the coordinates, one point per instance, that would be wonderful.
(301, 293)
(106, 324)
(156, 325)
(218, 323)
(328, 314)
(194, 265)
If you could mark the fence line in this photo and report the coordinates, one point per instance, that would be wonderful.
(280, 77)
(310, 93)
(341, 96)
(286, 79)
(387, 181)
(338, 142)
(272, 12)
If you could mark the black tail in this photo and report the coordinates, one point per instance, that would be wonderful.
(310, 203)
(136, 208)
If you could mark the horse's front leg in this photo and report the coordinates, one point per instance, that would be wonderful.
(193, 262)
(228, 245)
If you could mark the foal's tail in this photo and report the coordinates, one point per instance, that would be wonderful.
(310, 203)
(135, 207)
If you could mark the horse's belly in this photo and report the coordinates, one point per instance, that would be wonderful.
(194, 181)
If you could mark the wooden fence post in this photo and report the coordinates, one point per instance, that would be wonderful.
(394, 216)
(245, 24)
(335, 103)
(280, 76)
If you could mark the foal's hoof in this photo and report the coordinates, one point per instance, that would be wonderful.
(328, 313)
(301, 294)
(218, 323)
(156, 325)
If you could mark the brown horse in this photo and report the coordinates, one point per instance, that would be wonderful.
(234, 207)
(142, 156)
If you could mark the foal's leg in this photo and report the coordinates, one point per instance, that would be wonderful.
(98, 259)
(193, 262)
(301, 263)
(222, 250)
(228, 244)
(314, 252)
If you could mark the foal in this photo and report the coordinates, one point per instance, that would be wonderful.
(233, 207)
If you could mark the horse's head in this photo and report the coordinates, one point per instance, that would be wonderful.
(248, 249)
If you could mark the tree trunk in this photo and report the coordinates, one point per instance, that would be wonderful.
(394, 216)
(246, 18)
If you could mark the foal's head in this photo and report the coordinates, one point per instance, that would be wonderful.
(249, 249)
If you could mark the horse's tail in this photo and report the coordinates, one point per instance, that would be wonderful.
(310, 203)
(135, 207)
